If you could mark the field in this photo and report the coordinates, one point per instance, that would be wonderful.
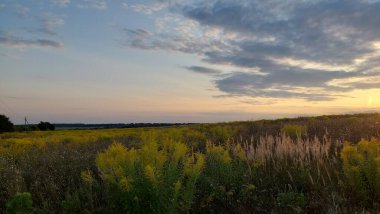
(327, 164)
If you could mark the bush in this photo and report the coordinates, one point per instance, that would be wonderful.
(5, 124)
(21, 203)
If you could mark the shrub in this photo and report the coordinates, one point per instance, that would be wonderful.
(21, 203)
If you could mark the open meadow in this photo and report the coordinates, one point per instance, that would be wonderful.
(327, 164)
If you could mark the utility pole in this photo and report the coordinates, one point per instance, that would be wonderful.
(26, 123)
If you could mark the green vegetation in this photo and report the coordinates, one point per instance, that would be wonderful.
(302, 165)
(21, 203)
(291, 202)
(294, 131)
(361, 166)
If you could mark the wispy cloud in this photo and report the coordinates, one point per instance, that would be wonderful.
(48, 24)
(29, 43)
(96, 4)
(323, 42)
(147, 9)
(137, 37)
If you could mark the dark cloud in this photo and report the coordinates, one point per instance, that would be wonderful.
(239, 59)
(203, 70)
(17, 42)
(365, 85)
(285, 84)
(256, 35)
(324, 31)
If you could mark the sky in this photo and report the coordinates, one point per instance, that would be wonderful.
(109, 61)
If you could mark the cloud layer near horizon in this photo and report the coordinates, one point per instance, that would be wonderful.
(312, 50)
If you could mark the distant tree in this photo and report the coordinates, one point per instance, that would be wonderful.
(44, 126)
(5, 124)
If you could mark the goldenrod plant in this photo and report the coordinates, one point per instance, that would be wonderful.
(361, 166)
(155, 178)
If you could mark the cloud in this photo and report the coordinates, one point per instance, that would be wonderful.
(365, 85)
(48, 23)
(295, 49)
(22, 11)
(136, 38)
(25, 43)
(137, 34)
(183, 40)
(203, 70)
(313, 30)
(61, 3)
(291, 83)
(147, 9)
(96, 4)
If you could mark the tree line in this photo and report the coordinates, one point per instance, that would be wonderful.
(7, 126)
